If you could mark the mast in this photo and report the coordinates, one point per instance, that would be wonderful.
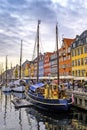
(20, 60)
(38, 50)
(57, 54)
(6, 70)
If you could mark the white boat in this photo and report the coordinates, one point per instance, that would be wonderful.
(6, 89)
(19, 89)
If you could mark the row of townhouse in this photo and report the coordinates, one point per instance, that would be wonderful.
(48, 63)
(72, 60)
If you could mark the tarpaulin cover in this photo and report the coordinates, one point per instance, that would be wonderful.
(35, 86)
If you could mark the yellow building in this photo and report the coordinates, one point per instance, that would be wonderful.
(79, 55)
(16, 72)
(31, 69)
(25, 68)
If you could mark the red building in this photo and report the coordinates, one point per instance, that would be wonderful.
(47, 68)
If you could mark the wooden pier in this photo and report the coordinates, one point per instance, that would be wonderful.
(21, 103)
(80, 98)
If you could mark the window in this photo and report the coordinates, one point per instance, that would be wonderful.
(85, 49)
(81, 50)
(78, 72)
(69, 49)
(75, 62)
(86, 61)
(72, 73)
(75, 52)
(78, 62)
(82, 61)
(74, 45)
(83, 73)
(78, 51)
(86, 39)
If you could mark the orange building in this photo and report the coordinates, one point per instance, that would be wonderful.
(65, 67)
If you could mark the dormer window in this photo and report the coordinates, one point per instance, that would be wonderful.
(86, 39)
(74, 45)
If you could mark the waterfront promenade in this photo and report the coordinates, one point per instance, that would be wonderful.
(80, 98)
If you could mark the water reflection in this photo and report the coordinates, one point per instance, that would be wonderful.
(19, 95)
(50, 121)
(74, 120)
(35, 119)
(79, 120)
(6, 99)
(20, 119)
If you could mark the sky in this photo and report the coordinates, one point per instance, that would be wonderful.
(18, 21)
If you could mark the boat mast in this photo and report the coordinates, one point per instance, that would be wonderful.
(20, 60)
(6, 70)
(57, 54)
(38, 50)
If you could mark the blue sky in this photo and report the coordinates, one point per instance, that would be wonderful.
(18, 21)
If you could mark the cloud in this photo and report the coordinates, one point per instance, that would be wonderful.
(18, 21)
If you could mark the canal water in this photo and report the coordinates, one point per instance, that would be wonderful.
(30, 118)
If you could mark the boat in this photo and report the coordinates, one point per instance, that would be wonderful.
(6, 88)
(49, 96)
(19, 84)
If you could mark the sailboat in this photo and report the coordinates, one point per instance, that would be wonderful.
(48, 96)
(6, 88)
(19, 87)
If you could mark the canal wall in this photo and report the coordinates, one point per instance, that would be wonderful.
(80, 98)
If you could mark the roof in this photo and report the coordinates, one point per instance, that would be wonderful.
(68, 41)
(35, 86)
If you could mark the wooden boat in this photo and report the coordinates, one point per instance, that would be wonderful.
(49, 96)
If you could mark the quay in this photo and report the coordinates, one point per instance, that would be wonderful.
(80, 98)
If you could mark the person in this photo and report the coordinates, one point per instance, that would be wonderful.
(68, 85)
(73, 84)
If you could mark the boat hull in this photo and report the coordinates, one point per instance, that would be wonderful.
(20, 89)
(50, 104)
(6, 89)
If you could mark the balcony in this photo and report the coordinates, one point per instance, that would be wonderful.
(63, 66)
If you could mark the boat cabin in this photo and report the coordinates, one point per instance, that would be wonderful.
(48, 91)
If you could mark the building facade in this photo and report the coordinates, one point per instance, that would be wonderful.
(79, 55)
(65, 66)
(53, 64)
(41, 65)
(47, 70)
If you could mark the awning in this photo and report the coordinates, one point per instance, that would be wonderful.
(79, 78)
(35, 86)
